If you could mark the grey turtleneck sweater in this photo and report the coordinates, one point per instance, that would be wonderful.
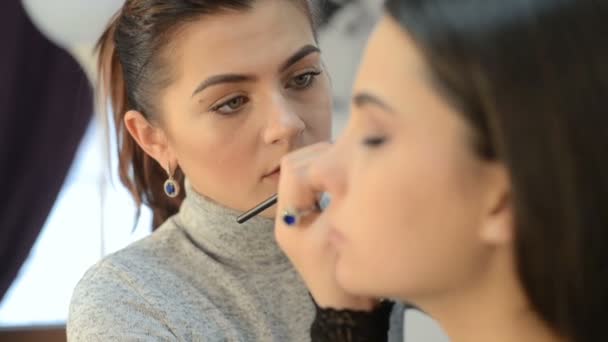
(199, 277)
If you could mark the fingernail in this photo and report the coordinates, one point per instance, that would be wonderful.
(324, 201)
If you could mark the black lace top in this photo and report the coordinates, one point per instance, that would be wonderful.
(352, 326)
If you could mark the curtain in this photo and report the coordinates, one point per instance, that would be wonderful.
(45, 108)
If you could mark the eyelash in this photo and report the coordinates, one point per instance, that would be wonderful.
(313, 75)
(217, 108)
(374, 141)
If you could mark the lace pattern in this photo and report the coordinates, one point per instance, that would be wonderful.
(352, 326)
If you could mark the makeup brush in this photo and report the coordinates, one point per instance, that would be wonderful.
(246, 216)
(272, 200)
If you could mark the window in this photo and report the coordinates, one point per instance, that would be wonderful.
(92, 217)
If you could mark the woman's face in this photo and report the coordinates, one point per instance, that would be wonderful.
(409, 196)
(249, 87)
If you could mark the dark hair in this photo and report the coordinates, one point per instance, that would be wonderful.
(531, 78)
(133, 67)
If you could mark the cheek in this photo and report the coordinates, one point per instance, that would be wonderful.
(221, 156)
(215, 158)
(418, 230)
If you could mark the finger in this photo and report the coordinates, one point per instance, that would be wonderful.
(294, 186)
(314, 149)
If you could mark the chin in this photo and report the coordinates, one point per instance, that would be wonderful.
(351, 278)
(356, 281)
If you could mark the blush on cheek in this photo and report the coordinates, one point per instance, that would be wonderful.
(217, 165)
(229, 167)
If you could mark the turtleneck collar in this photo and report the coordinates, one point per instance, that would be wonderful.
(213, 228)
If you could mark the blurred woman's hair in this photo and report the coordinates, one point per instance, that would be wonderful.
(531, 78)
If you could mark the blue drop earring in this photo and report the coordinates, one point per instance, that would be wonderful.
(171, 187)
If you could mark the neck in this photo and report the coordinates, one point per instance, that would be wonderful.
(486, 321)
(213, 228)
(494, 309)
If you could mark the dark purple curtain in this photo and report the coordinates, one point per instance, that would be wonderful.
(45, 108)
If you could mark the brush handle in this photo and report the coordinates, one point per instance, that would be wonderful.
(272, 200)
(257, 209)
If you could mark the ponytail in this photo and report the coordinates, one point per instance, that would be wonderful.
(139, 173)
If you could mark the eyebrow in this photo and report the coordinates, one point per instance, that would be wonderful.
(300, 54)
(219, 79)
(236, 78)
(364, 98)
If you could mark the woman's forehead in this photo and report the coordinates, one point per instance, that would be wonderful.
(248, 40)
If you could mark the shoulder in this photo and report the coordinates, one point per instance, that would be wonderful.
(125, 268)
(155, 251)
(106, 301)
(119, 295)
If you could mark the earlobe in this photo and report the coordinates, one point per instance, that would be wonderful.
(149, 137)
(497, 227)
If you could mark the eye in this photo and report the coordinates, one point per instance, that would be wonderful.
(374, 142)
(230, 106)
(303, 81)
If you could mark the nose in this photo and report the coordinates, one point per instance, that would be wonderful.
(285, 125)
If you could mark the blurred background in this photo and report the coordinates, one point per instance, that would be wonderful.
(80, 212)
